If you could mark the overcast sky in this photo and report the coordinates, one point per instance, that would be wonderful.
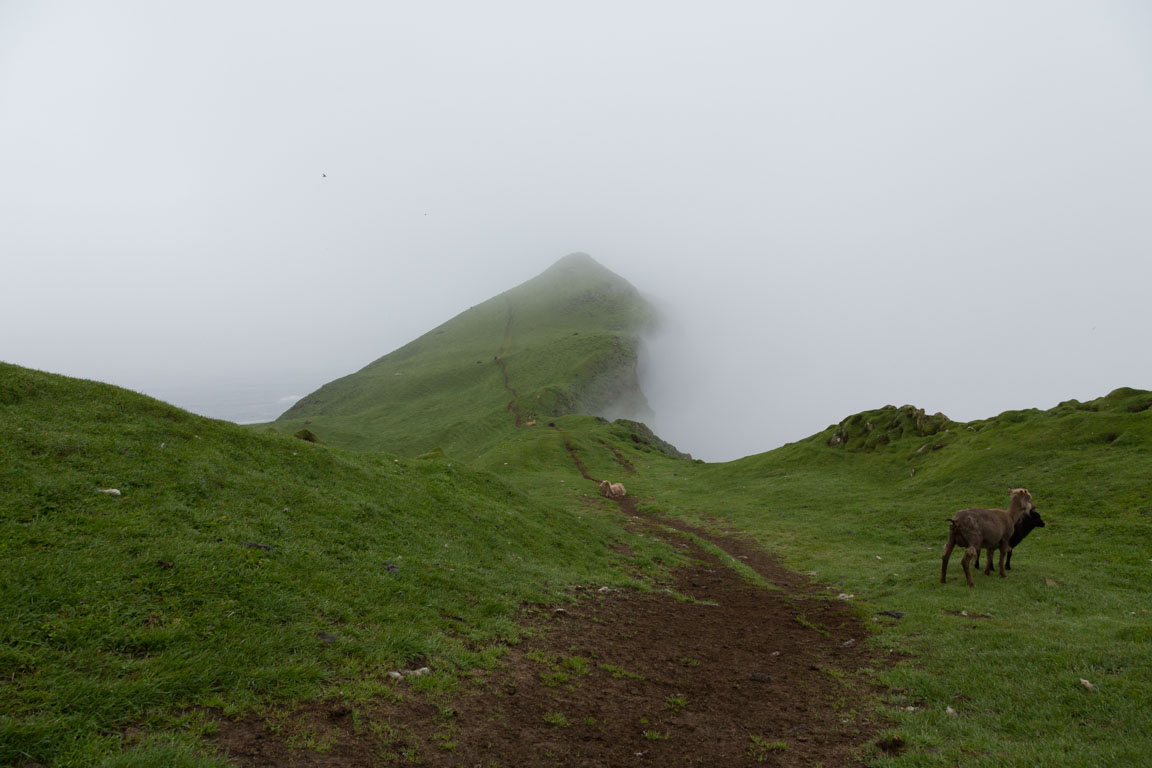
(839, 204)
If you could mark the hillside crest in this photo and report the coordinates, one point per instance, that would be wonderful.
(562, 342)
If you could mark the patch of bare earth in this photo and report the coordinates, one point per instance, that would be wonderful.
(707, 670)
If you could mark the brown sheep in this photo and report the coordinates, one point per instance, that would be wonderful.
(990, 529)
(1024, 526)
(612, 490)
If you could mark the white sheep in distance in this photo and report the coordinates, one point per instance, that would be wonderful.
(612, 490)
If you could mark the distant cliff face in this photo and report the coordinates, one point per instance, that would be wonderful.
(563, 342)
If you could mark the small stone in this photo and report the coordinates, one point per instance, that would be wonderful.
(845, 596)
(950, 712)
(848, 643)
(421, 672)
(395, 675)
(1087, 684)
(110, 491)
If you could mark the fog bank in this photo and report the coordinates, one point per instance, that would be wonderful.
(842, 205)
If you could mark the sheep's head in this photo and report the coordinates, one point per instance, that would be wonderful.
(1024, 498)
(1032, 519)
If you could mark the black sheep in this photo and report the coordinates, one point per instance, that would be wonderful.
(1024, 526)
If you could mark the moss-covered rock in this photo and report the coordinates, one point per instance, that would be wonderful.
(871, 430)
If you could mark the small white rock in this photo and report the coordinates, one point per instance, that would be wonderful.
(110, 491)
(395, 675)
(950, 712)
(421, 672)
(1087, 684)
(845, 596)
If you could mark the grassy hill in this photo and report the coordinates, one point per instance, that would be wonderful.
(237, 568)
(242, 569)
(863, 506)
(563, 342)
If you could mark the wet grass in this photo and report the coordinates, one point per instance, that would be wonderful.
(244, 568)
(237, 568)
(1007, 656)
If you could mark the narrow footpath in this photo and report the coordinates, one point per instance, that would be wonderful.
(707, 669)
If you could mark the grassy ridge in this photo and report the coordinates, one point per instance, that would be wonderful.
(870, 521)
(562, 342)
(242, 567)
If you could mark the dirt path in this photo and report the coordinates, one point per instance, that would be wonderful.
(512, 408)
(708, 669)
(623, 462)
(714, 672)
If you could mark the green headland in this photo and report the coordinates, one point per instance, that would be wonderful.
(405, 514)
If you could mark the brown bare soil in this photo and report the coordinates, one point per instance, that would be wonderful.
(706, 670)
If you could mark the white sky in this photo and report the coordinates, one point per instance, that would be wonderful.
(842, 204)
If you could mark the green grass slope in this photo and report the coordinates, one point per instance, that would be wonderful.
(241, 569)
(864, 506)
(563, 342)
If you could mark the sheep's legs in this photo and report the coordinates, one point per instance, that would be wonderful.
(966, 561)
(947, 554)
(1005, 551)
(1006, 562)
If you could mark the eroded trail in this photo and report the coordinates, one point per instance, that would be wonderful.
(512, 407)
(708, 669)
(714, 672)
